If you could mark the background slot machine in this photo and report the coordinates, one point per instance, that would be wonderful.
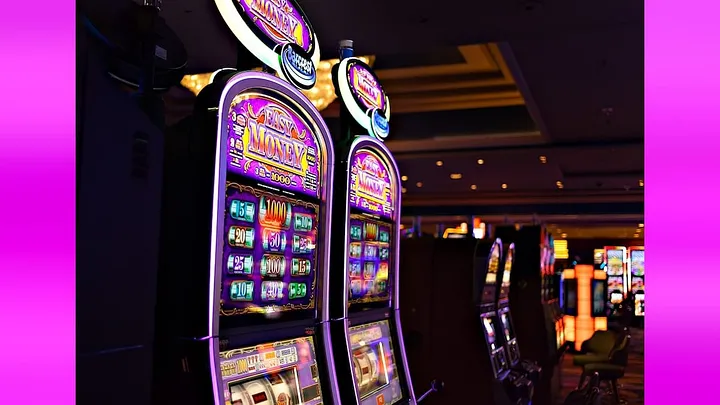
(637, 278)
(367, 334)
(370, 330)
(615, 268)
(535, 320)
(599, 259)
(504, 320)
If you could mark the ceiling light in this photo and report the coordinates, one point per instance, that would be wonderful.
(404, 190)
(456, 176)
(636, 236)
(563, 236)
(543, 159)
(321, 95)
(419, 184)
(504, 186)
(641, 183)
(481, 162)
(559, 184)
(439, 163)
(473, 187)
(404, 178)
(638, 230)
(641, 225)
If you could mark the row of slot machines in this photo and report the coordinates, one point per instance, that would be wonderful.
(470, 318)
(625, 269)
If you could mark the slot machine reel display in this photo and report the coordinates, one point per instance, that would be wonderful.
(637, 278)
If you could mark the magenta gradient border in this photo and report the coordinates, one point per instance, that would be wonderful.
(37, 149)
(683, 137)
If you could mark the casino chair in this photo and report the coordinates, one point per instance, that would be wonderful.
(613, 370)
(597, 349)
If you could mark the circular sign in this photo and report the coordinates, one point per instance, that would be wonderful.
(278, 33)
(364, 97)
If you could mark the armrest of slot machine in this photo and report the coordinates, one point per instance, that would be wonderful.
(435, 386)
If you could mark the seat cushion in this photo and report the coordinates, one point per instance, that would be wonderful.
(583, 359)
(605, 370)
(602, 341)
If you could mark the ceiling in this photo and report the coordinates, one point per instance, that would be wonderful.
(505, 82)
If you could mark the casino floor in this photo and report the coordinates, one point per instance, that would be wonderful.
(632, 386)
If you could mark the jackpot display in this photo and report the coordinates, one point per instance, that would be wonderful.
(284, 372)
(271, 208)
(371, 229)
(374, 364)
(489, 292)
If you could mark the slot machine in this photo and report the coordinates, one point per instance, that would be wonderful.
(637, 278)
(584, 295)
(460, 338)
(504, 319)
(616, 270)
(535, 319)
(243, 316)
(367, 336)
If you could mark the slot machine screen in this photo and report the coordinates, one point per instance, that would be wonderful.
(374, 366)
(507, 268)
(371, 232)
(599, 258)
(615, 262)
(637, 262)
(489, 329)
(571, 299)
(598, 297)
(283, 372)
(272, 206)
(489, 289)
(637, 284)
(615, 289)
(507, 326)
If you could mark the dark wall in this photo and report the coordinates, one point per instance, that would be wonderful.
(119, 157)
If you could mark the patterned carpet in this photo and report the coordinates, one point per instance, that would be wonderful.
(632, 387)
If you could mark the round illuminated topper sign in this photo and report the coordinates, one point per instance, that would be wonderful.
(278, 33)
(364, 97)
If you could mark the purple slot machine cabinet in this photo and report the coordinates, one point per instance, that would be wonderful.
(504, 319)
(245, 318)
(367, 335)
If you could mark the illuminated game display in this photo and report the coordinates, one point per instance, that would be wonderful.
(369, 248)
(374, 362)
(270, 237)
(637, 278)
(511, 344)
(615, 260)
